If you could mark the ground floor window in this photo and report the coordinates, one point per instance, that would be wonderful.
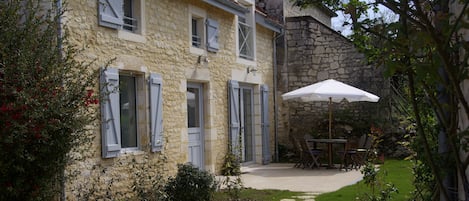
(128, 112)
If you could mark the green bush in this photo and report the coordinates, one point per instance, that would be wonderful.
(190, 184)
(231, 165)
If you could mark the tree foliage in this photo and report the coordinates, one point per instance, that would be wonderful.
(427, 49)
(45, 100)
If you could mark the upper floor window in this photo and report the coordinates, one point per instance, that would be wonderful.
(203, 32)
(245, 39)
(197, 31)
(122, 14)
(130, 19)
(246, 33)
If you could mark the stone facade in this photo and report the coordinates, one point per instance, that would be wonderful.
(163, 46)
(315, 52)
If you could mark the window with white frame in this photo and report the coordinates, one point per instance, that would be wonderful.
(246, 34)
(245, 39)
(122, 14)
(121, 112)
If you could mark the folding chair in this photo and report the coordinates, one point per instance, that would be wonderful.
(364, 149)
(302, 160)
(348, 156)
(313, 153)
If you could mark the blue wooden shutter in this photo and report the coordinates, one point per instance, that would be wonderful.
(265, 124)
(110, 113)
(212, 35)
(156, 112)
(234, 132)
(111, 13)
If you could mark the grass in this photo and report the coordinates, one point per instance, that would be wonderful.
(398, 172)
(259, 195)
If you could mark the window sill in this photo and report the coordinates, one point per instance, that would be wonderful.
(246, 62)
(197, 51)
(125, 35)
(131, 151)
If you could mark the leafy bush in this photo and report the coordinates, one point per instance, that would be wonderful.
(380, 190)
(231, 165)
(45, 100)
(190, 184)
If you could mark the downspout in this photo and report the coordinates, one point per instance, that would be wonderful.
(274, 44)
(58, 6)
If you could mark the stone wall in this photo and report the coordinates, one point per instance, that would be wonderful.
(321, 14)
(164, 47)
(314, 53)
(278, 9)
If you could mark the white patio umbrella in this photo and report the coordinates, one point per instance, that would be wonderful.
(332, 91)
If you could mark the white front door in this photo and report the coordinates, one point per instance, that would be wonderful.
(195, 124)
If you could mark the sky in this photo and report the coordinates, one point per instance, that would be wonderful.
(337, 22)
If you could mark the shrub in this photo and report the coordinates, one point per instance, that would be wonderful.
(231, 165)
(190, 184)
(45, 100)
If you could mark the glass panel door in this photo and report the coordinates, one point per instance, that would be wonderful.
(247, 123)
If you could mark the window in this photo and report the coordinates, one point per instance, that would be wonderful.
(128, 110)
(245, 37)
(130, 20)
(203, 32)
(203, 35)
(193, 106)
(246, 34)
(122, 15)
(122, 110)
(197, 31)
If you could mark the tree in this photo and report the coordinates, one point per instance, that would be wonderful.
(427, 50)
(45, 100)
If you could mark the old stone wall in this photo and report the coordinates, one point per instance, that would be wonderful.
(317, 13)
(278, 9)
(315, 53)
(163, 47)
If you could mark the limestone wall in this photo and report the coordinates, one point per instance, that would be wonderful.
(315, 53)
(163, 47)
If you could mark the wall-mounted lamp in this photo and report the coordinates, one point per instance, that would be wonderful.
(202, 59)
(251, 70)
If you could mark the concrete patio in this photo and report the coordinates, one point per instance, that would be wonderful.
(284, 176)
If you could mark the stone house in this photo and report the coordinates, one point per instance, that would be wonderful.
(194, 77)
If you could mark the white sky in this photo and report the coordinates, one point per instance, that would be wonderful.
(337, 22)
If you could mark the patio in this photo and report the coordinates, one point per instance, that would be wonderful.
(284, 176)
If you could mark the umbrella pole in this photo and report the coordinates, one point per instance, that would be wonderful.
(330, 117)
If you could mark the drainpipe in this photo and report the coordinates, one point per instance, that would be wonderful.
(58, 6)
(274, 43)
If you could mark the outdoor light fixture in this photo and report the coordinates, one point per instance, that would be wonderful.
(202, 59)
(251, 70)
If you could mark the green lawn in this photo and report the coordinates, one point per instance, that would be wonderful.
(399, 173)
(259, 195)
